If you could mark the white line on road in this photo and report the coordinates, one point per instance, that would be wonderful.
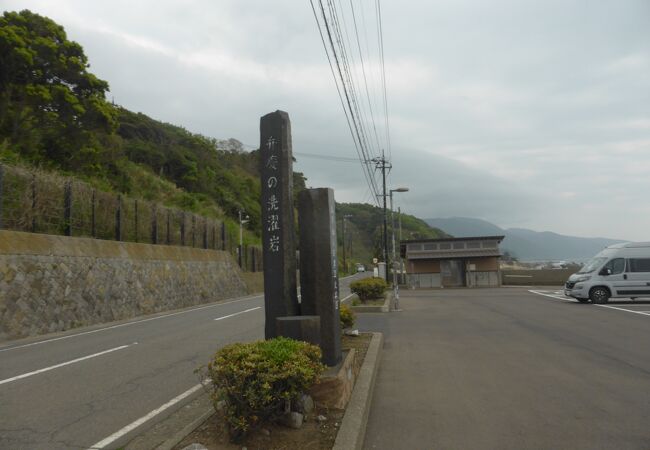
(556, 297)
(133, 425)
(643, 313)
(238, 313)
(128, 323)
(67, 363)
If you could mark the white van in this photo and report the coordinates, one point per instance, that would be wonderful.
(619, 271)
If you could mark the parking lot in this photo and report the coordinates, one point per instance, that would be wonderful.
(511, 368)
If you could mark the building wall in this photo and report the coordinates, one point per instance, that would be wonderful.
(54, 283)
(490, 263)
(424, 266)
(426, 273)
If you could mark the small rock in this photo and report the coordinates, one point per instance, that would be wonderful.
(304, 404)
(265, 432)
(321, 418)
(195, 446)
(352, 332)
(292, 420)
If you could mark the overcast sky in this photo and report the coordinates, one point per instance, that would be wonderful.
(530, 114)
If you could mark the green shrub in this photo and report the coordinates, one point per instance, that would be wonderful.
(256, 379)
(369, 288)
(347, 316)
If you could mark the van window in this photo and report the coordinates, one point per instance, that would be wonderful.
(593, 264)
(639, 265)
(616, 265)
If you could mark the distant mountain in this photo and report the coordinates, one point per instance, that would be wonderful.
(527, 245)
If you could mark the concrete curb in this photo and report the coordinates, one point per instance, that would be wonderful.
(353, 427)
(170, 443)
(375, 309)
(126, 439)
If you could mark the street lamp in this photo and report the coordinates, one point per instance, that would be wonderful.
(392, 220)
(345, 263)
(243, 218)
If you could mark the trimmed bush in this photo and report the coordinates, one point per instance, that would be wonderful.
(257, 379)
(347, 317)
(369, 288)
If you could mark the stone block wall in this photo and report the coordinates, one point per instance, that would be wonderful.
(54, 283)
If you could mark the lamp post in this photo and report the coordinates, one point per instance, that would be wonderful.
(243, 218)
(345, 263)
(392, 220)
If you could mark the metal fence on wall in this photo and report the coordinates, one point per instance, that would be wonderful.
(40, 202)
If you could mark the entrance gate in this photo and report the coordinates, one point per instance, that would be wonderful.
(452, 272)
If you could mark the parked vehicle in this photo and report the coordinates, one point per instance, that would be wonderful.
(619, 271)
(361, 268)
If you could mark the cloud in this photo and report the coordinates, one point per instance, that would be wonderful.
(521, 112)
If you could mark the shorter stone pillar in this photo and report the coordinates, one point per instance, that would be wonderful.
(319, 283)
(300, 328)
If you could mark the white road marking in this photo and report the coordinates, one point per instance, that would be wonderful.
(128, 324)
(133, 425)
(554, 296)
(238, 313)
(345, 298)
(67, 363)
(643, 313)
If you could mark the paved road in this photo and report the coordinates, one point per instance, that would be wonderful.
(74, 390)
(511, 369)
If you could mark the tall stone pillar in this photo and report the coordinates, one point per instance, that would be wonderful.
(319, 283)
(279, 249)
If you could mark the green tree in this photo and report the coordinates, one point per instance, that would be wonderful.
(51, 107)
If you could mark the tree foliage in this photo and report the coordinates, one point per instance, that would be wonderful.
(51, 107)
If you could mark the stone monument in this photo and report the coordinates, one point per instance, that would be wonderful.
(319, 268)
(279, 250)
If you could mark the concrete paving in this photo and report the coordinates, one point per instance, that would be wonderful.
(509, 369)
(73, 390)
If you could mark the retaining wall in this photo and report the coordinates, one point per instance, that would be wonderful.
(54, 283)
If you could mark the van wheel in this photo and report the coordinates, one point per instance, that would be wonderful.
(599, 295)
(582, 300)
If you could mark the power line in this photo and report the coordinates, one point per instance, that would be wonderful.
(326, 157)
(383, 74)
(362, 158)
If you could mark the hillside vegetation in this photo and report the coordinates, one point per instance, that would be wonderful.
(365, 225)
(54, 115)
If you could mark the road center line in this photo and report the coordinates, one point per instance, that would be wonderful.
(128, 323)
(238, 313)
(67, 363)
(133, 425)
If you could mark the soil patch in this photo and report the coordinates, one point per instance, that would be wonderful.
(313, 435)
(373, 302)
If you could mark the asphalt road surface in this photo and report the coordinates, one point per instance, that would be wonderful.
(79, 389)
(511, 369)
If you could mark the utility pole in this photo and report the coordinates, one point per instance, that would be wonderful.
(382, 164)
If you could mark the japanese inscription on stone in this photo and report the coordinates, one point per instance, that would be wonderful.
(276, 171)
